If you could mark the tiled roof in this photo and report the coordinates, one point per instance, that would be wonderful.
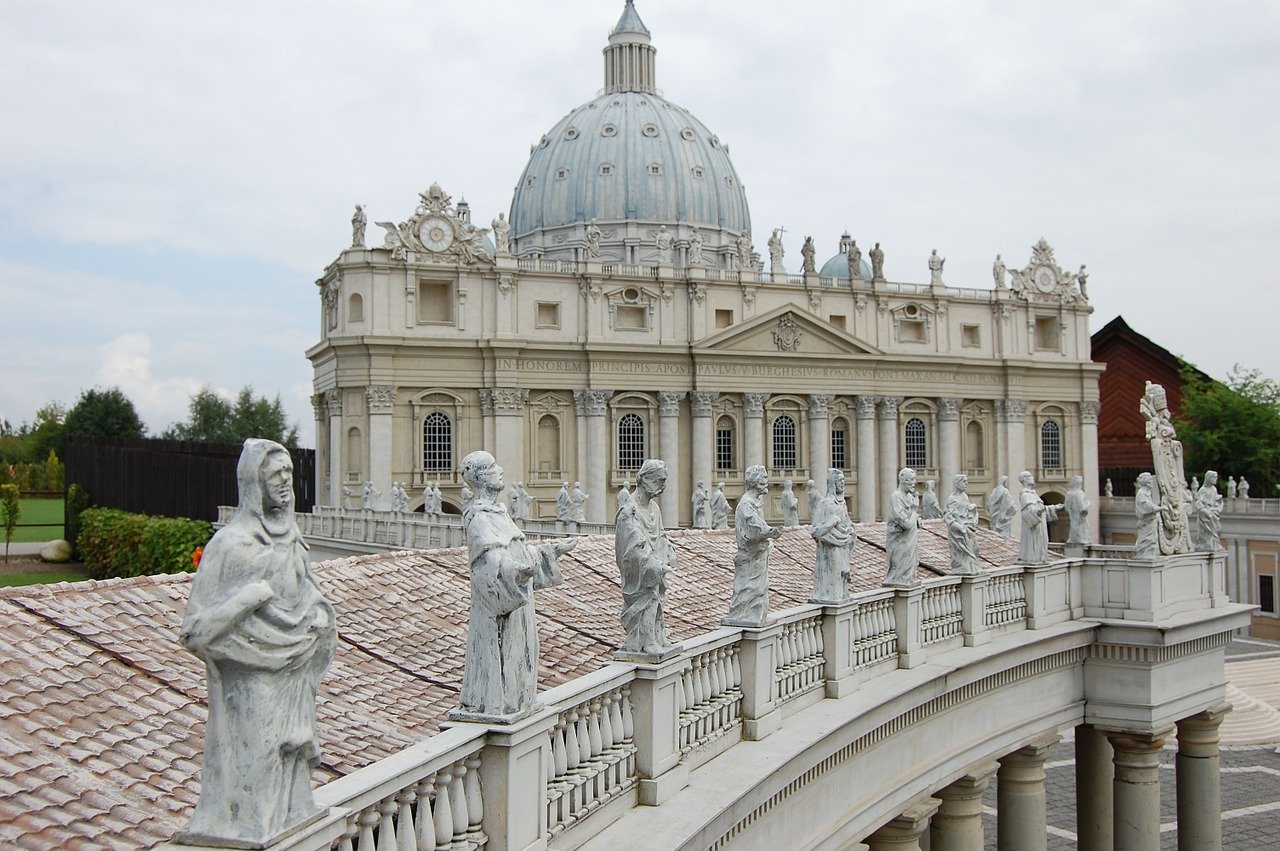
(102, 712)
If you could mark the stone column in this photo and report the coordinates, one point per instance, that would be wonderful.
(948, 444)
(669, 451)
(1094, 778)
(509, 407)
(957, 826)
(888, 450)
(593, 404)
(488, 436)
(903, 832)
(1020, 807)
(333, 407)
(753, 428)
(381, 400)
(321, 492)
(1015, 411)
(1089, 462)
(865, 413)
(819, 440)
(1135, 823)
(703, 449)
(1199, 794)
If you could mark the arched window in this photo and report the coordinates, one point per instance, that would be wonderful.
(630, 442)
(355, 308)
(548, 444)
(355, 454)
(437, 442)
(973, 448)
(917, 444)
(724, 443)
(1051, 445)
(840, 443)
(784, 443)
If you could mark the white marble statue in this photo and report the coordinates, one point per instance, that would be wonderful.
(369, 497)
(624, 493)
(719, 508)
(1000, 507)
(1108, 490)
(701, 506)
(1232, 487)
(662, 241)
(935, 268)
(266, 634)
(855, 261)
(811, 497)
(1146, 505)
(1243, 489)
(961, 516)
(877, 264)
(1033, 547)
(834, 531)
(1209, 514)
(526, 502)
(359, 221)
(465, 496)
(790, 506)
(593, 239)
(998, 271)
(346, 498)
(777, 253)
(644, 557)
(695, 249)
(1082, 279)
(1195, 484)
(1166, 456)
(578, 503)
(743, 246)
(501, 235)
(500, 679)
(1078, 506)
(807, 254)
(930, 508)
(562, 503)
(900, 532)
(750, 606)
(513, 502)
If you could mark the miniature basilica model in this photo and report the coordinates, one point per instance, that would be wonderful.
(621, 312)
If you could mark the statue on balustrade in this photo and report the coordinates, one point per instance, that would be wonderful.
(1146, 505)
(526, 501)
(1243, 490)
(877, 264)
(1231, 487)
(513, 502)
(834, 531)
(369, 496)
(663, 241)
(624, 493)
(961, 517)
(790, 506)
(935, 268)
(808, 255)
(465, 496)
(900, 532)
(1078, 512)
(701, 506)
(855, 261)
(1209, 514)
(359, 221)
(593, 239)
(562, 503)
(1109, 489)
(500, 679)
(578, 503)
(644, 556)
(1166, 456)
(501, 235)
(719, 508)
(811, 496)
(750, 606)
(346, 498)
(1033, 547)
(266, 634)
(930, 508)
(776, 253)
(1000, 507)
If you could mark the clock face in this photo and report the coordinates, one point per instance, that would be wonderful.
(1045, 280)
(436, 233)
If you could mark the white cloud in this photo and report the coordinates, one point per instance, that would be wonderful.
(125, 362)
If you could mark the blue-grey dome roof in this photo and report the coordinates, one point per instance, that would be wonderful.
(838, 267)
(629, 155)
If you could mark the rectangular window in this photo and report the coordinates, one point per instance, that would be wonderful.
(724, 318)
(970, 336)
(724, 449)
(910, 331)
(1047, 337)
(839, 449)
(837, 320)
(435, 301)
(1267, 593)
(548, 315)
(631, 318)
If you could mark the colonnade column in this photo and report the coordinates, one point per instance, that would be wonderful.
(903, 832)
(333, 407)
(819, 440)
(321, 492)
(864, 408)
(1199, 793)
(669, 451)
(888, 450)
(948, 444)
(700, 402)
(1135, 822)
(1015, 412)
(957, 826)
(1089, 461)
(1094, 779)
(593, 404)
(753, 428)
(1020, 809)
(381, 400)
(510, 405)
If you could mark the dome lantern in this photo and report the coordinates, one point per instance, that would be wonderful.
(629, 58)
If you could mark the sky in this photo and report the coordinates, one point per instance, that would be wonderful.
(175, 176)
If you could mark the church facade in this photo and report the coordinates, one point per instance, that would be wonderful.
(620, 311)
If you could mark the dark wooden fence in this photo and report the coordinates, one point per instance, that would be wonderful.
(171, 478)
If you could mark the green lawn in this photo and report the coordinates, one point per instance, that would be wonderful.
(37, 511)
(8, 580)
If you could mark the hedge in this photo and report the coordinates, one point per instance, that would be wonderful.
(117, 543)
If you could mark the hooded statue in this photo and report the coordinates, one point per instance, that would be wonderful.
(266, 634)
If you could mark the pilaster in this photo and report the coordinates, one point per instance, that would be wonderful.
(655, 696)
(864, 408)
(381, 401)
(948, 444)
(669, 451)
(758, 656)
(700, 402)
(819, 439)
(510, 405)
(753, 428)
(333, 407)
(888, 451)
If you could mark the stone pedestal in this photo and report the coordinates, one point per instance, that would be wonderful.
(1135, 820)
(1199, 791)
(656, 714)
(973, 609)
(957, 825)
(1020, 819)
(1094, 778)
(903, 833)
(758, 658)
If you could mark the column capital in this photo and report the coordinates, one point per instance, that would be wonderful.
(889, 407)
(380, 398)
(591, 401)
(820, 404)
(1011, 410)
(1198, 734)
(317, 403)
(864, 407)
(333, 403)
(949, 408)
(1137, 741)
(971, 785)
(700, 402)
(669, 402)
(1032, 754)
(509, 400)
(905, 828)
(753, 404)
(1089, 412)
(486, 401)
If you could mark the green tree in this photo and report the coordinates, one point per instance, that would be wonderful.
(104, 413)
(46, 431)
(10, 508)
(1233, 427)
(212, 418)
(209, 419)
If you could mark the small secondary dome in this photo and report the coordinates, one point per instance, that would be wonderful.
(838, 265)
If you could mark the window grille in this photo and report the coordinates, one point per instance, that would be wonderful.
(917, 444)
(724, 444)
(784, 443)
(839, 448)
(630, 442)
(437, 442)
(1051, 445)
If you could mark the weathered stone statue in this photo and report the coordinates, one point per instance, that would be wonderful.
(750, 606)
(1231, 487)
(1000, 507)
(1078, 512)
(369, 497)
(593, 239)
(701, 506)
(877, 264)
(502, 235)
(1209, 514)
(855, 261)
(500, 680)
(1243, 490)
(1166, 456)
(465, 496)
(776, 253)
(901, 529)
(719, 508)
(624, 493)
(811, 497)
(578, 503)
(1147, 507)
(562, 503)
(790, 506)
(266, 634)
(834, 531)
(1082, 278)
(695, 249)
(807, 252)
(935, 268)
(930, 508)
(513, 502)
(1195, 484)
(743, 246)
(359, 221)
(1108, 490)
(526, 501)
(1033, 547)
(961, 516)
(644, 556)
(663, 241)
(346, 498)
(998, 271)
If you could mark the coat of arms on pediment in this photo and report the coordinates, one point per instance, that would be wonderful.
(437, 232)
(1043, 279)
(787, 334)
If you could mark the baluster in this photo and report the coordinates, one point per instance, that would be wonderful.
(717, 682)
(559, 761)
(584, 752)
(593, 728)
(405, 833)
(458, 797)
(690, 699)
(368, 818)
(628, 727)
(443, 811)
(426, 824)
(348, 833)
(701, 686)
(387, 824)
(606, 740)
(615, 717)
(572, 752)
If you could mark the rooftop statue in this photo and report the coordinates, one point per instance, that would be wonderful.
(930, 508)
(1243, 490)
(562, 503)
(369, 497)
(961, 516)
(1082, 279)
(1108, 490)
(500, 680)
(834, 531)
(359, 221)
(998, 271)
(1033, 547)
(663, 241)
(701, 506)
(935, 268)
(743, 246)
(1209, 514)
(695, 249)
(1146, 506)
(719, 508)
(750, 606)
(776, 253)
(502, 234)
(807, 253)
(900, 532)
(877, 264)
(1231, 487)
(1000, 507)
(1078, 511)
(790, 506)
(578, 503)
(644, 556)
(593, 239)
(1166, 456)
(855, 261)
(266, 634)
(526, 500)
(624, 493)
(811, 497)
(346, 498)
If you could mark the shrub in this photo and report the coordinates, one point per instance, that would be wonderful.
(75, 502)
(117, 543)
(10, 508)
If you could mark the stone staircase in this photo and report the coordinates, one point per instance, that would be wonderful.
(1253, 689)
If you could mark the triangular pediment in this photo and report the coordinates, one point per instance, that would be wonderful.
(785, 331)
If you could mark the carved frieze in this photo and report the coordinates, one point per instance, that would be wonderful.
(486, 402)
(820, 404)
(1015, 410)
(333, 403)
(506, 283)
(591, 401)
(1089, 412)
(381, 398)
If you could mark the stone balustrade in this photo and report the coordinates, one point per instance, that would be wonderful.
(709, 699)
